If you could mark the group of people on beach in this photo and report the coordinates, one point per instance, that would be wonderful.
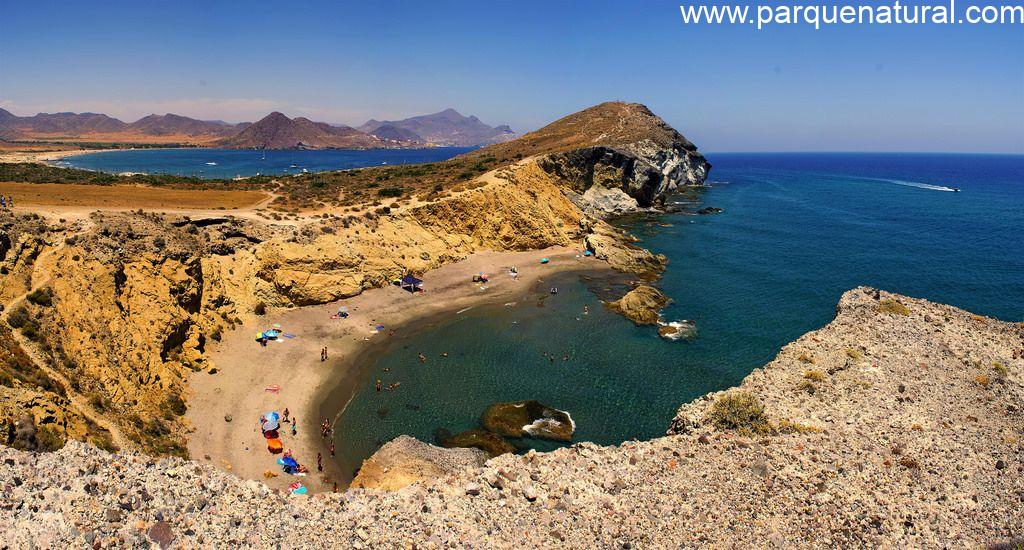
(6, 203)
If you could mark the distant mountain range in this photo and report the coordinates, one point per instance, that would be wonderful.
(448, 127)
(275, 131)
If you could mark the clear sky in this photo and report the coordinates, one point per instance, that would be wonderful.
(728, 88)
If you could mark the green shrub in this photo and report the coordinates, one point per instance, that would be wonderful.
(31, 330)
(390, 192)
(740, 411)
(18, 317)
(174, 405)
(41, 297)
(48, 439)
(893, 307)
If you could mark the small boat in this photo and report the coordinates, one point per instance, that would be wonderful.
(304, 171)
(554, 290)
(956, 189)
(293, 165)
(211, 164)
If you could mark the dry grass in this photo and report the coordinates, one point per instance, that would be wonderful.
(740, 411)
(127, 196)
(814, 375)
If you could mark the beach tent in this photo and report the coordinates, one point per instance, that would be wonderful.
(410, 283)
(271, 421)
(289, 464)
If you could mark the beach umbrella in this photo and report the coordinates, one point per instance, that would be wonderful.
(290, 462)
(380, 327)
(271, 421)
(544, 260)
(343, 308)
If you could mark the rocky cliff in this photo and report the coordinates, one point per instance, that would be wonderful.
(615, 157)
(132, 299)
(899, 424)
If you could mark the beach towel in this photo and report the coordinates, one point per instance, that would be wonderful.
(273, 388)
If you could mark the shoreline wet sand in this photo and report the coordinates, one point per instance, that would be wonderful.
(244, 369)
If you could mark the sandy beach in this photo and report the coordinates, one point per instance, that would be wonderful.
(46, 156)
(244, 369)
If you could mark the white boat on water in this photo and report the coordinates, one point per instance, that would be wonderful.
(211, 164)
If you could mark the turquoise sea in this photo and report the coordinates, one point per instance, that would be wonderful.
(796, 232)
(230, 163)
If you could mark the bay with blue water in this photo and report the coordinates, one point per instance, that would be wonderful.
(231, 163)
(796, 231)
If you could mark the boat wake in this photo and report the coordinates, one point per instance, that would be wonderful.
(920, 185)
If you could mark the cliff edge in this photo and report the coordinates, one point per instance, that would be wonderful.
(898, 424)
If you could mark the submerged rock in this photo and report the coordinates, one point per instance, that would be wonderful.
(642, 305)
(709, 210)
(522, 418)
(488, 442)
(678, 330)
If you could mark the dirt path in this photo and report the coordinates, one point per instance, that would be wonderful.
(78, 401)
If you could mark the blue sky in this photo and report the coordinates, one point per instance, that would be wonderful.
(728, 88)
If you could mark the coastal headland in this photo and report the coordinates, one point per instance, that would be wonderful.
(127, 306)
(132, 333)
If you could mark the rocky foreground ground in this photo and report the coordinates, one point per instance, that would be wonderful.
(898, 424)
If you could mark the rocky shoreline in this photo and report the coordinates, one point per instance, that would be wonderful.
(890, 426)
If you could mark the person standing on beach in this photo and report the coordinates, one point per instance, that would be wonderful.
(331, 449)
(319, 462)
(286, 414)
(295, 423)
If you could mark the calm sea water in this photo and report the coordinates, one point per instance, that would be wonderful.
(796, 232)
(231, 163)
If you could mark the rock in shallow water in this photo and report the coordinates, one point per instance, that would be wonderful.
(522, 418)
(642, 305)
(678, 330)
